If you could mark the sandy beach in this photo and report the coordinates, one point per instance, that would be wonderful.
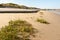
(45, 31)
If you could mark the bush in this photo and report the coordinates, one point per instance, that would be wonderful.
(17, 30)
(42, 21)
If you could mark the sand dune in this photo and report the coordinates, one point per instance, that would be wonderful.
(46, 31)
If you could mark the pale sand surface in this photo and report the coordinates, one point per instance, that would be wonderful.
(46, 31)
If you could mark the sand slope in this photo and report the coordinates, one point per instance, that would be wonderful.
(46, 31)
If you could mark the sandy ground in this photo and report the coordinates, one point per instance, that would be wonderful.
(46, 31)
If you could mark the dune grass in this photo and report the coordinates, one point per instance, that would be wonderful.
(17, 30)
(42, 21)
(41, 13)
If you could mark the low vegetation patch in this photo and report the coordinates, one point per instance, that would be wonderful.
(41, 13)
(42, 21)
(17, 30)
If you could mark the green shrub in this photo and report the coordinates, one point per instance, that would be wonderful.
(17, 30)
(42, 21)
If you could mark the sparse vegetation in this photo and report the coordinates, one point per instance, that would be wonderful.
(17, 30)
(42, 21)
(12, 5)
(41, 13)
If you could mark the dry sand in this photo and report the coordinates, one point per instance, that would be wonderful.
(46, 31)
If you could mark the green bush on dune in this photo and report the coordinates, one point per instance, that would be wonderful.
(17, 30)
(42, 21)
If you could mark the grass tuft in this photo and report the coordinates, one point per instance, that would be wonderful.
(42, 21)
(41, 13)
(17, 30)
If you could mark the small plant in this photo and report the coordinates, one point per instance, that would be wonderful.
(17, 30)
(41, 13)
(42, 21)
